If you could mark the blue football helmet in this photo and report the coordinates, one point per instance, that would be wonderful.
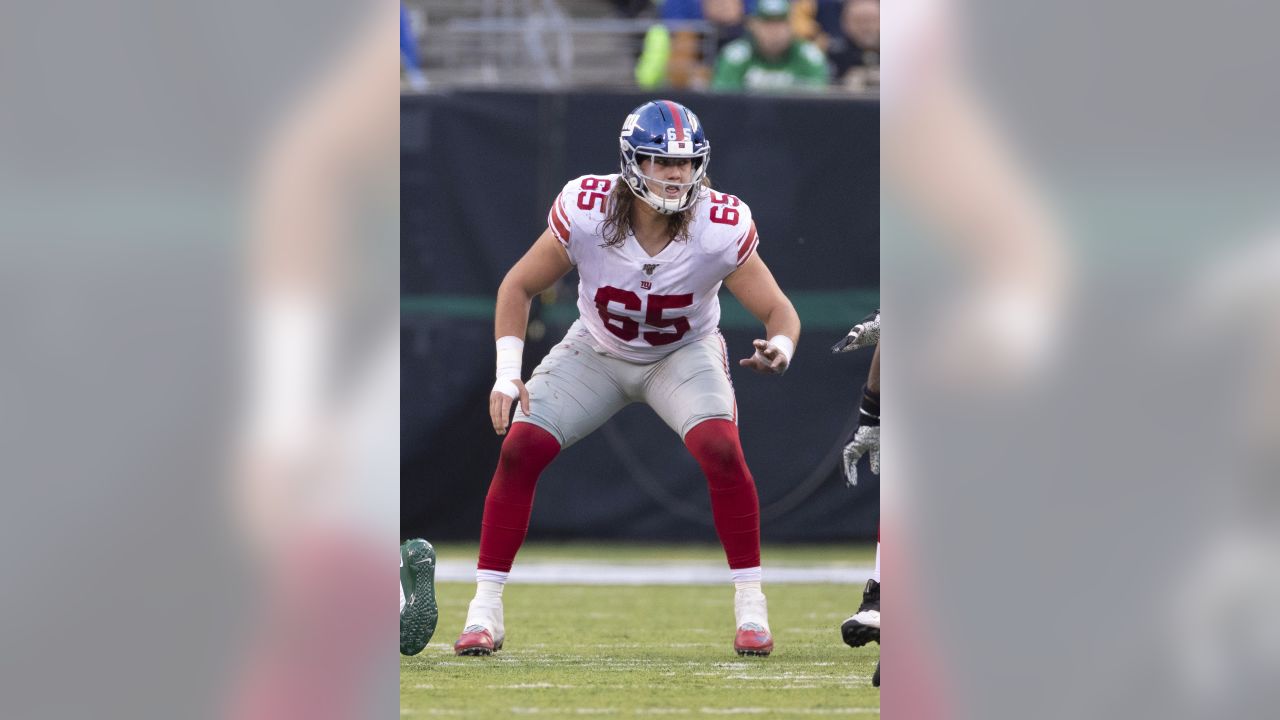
(665, 129)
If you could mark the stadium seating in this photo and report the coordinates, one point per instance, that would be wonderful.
(532, 43)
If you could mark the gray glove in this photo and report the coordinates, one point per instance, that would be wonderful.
(865, 439)
(864, 334)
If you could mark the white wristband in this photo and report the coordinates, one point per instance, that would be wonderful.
(784, 345)
(510, 356)
(506, 387)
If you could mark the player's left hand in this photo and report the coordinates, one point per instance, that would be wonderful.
(866, 439)
(864, 334)
(768, 359)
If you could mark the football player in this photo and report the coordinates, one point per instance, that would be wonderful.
(864, 626)
(652, 245)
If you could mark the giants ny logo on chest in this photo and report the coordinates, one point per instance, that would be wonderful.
(648, 270)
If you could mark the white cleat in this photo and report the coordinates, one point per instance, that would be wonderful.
(483, 633)
(864, 626)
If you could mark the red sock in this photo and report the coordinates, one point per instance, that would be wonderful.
(714, 444)
(526, 452)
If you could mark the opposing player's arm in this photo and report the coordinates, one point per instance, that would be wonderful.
(544, 263)
(873, 376)
(866, 436)
(753, 285)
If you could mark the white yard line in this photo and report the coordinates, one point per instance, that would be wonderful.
(590, 573)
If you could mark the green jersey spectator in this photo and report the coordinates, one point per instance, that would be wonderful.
(771, 57)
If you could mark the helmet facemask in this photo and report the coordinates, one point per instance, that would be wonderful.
(637, 181)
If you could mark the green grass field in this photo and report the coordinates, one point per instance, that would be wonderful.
(583, 651)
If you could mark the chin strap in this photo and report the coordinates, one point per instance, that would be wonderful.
(660, 204)
(683, 202)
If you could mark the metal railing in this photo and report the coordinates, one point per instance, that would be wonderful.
(534, 43)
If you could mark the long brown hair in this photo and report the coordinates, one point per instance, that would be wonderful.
(617, 219)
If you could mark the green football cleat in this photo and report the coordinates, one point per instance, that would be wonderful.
(418, 581)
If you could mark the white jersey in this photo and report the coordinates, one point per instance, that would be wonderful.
(639, 307)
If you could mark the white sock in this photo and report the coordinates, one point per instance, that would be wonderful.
(489, 584)
(748, 601)
(876, 576)
(747, 578)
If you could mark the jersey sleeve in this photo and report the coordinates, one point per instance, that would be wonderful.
(745, 244)
(733, 231)
(560, 220)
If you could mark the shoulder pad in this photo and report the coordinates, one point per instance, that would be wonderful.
(586, 196)
(725, 219)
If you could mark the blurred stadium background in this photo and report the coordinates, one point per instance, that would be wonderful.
(514, 99)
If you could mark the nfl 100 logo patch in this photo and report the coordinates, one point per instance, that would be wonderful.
(648, 270)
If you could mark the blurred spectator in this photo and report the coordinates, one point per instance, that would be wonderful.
(686, 66)
(856, 52)
(655, 55)
(771, 57)
(804, 22)
(410, 63)
(827, 16)
(727, 16)
(632, 8)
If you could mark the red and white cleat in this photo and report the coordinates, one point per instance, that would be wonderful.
(752, 639)
(483, 633)
(752, 613)
(476, 640)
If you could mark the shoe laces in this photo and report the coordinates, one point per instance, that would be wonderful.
(870, 597)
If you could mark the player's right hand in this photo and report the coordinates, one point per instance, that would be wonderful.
(500, 404)
(767, 359)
